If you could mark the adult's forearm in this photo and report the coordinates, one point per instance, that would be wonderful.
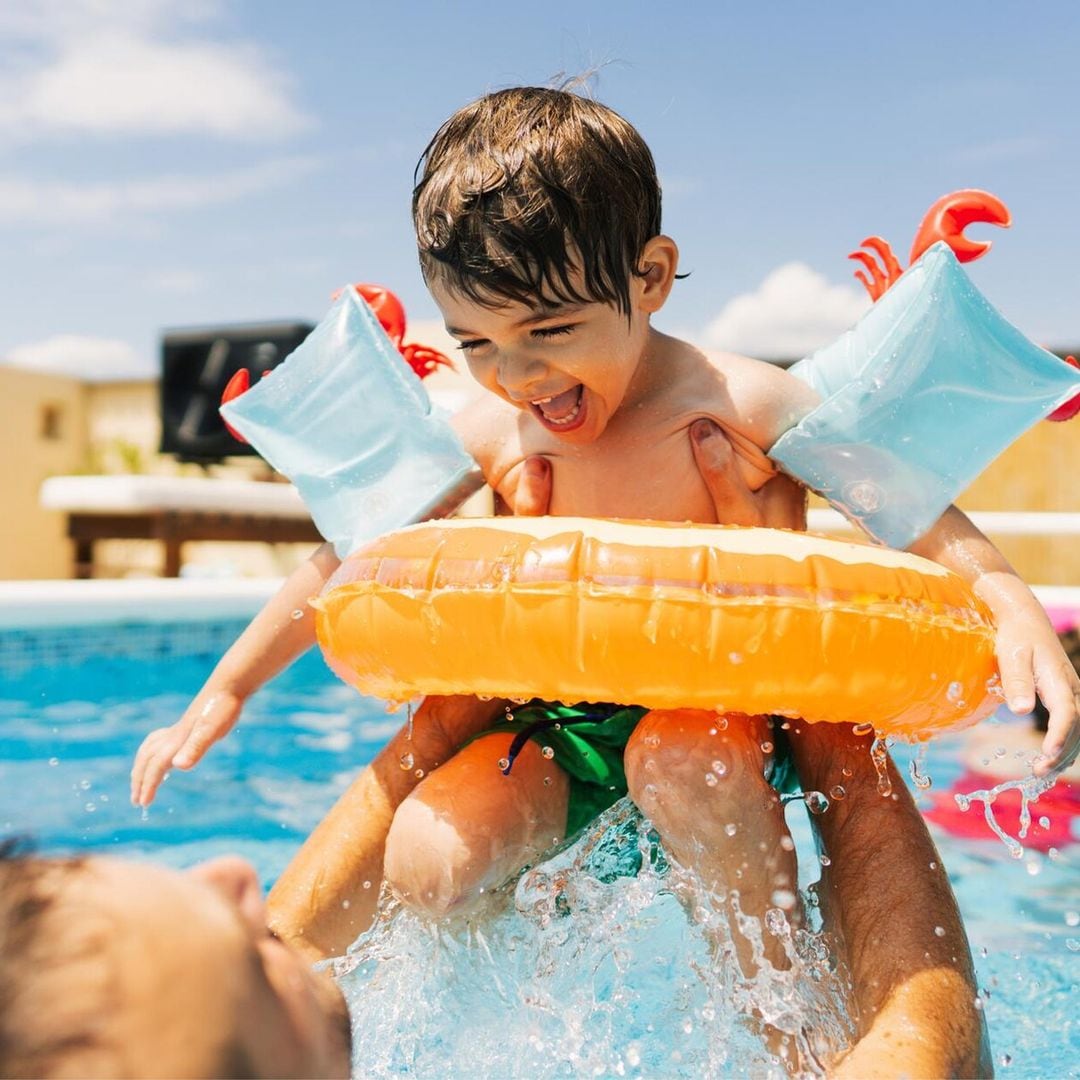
(885, 892)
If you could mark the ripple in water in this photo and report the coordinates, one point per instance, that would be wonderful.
(589, 965)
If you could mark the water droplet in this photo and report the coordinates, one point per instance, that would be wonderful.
(816, 802)
(735, 658)
(787, 844)
(845, 771)
(963, 802)
(722, 723)
(879, 755)
(1072, 918)
(84, 785)
(1000, 752)
(954, 690)
(556, 727)
(503, 764)
(939, 931)
(719, 768)
(346, 904)
(633, 1056)
(419, 774)
(933, 865)
(825, 860)
(984, 951)
(838, 793)
(1032, 866)
(731, 829)
(297, 614)
(862, 730)
(688, 1026)
(766, 747)
(1006, 1059)
(1072, 944)
(1044, 822)
(547, 752)
(547, 781)
(53, 762)
(367, 884)
(90, 807)
(406, 761)
(712, 731)
(1053, 854)
(710, 779)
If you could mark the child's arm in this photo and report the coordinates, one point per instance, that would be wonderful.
(280, 632)
(1030, 656)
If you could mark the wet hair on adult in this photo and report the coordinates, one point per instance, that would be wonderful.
(27, 889)
(523, 187)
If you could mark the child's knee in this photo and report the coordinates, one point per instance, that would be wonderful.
(698, 759)
(426, 862)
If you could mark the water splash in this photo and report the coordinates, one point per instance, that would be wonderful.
(590, 965)
(916, 767)
(1030, 788)
(879, 755)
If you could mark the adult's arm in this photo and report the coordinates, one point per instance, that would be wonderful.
(885, 894)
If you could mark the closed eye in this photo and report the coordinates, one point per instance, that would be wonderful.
(554, 331)
(466, 345)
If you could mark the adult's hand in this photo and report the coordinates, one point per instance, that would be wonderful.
(779, 504)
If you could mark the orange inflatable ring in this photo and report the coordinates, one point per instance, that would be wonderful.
(664, 616)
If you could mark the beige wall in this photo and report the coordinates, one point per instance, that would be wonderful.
(43, 432)
(1041, 471)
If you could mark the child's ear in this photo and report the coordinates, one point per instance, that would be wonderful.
(657, 264)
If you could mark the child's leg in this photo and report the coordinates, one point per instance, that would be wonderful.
(326, 896)
(702, 785)
(467, 828)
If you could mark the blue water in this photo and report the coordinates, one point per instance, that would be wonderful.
(67, 735)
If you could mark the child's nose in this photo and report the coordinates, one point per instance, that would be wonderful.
(519, 375)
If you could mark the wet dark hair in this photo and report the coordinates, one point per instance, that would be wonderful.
(523, 187)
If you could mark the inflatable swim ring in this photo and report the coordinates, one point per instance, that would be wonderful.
(665, 616)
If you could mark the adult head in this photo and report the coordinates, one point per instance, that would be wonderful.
(116, 968)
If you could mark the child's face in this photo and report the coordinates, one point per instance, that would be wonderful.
(571, 367)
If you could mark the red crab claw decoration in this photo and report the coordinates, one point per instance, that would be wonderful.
(239, 384)
(952, 214)
(1071, 407)
(945, 220)
(387, 308)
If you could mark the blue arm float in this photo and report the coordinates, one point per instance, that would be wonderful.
(917, 399)
(348, 421)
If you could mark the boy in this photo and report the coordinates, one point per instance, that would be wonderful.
(538, 221)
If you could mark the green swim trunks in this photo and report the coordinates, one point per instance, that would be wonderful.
(587, 741)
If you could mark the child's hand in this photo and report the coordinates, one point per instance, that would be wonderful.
(210, 717)
(1031, 658)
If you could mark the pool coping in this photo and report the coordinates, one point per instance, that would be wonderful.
(33, 604)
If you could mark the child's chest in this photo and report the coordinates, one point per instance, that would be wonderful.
(640, 471)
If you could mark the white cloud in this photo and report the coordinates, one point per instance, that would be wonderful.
(137, 69)
(24, 201)
(90, 358)
(792, 312)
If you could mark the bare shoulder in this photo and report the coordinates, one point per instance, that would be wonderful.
(754, 397)
(488, 427)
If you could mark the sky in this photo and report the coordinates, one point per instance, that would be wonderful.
(206, 162)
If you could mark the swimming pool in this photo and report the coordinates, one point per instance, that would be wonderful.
(621, 989)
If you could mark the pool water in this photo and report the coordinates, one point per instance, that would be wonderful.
(626, 986)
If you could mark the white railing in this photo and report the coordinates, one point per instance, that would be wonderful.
(991, 522)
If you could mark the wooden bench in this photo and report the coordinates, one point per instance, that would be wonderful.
(174, 510)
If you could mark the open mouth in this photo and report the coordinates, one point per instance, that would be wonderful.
(561, 412)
